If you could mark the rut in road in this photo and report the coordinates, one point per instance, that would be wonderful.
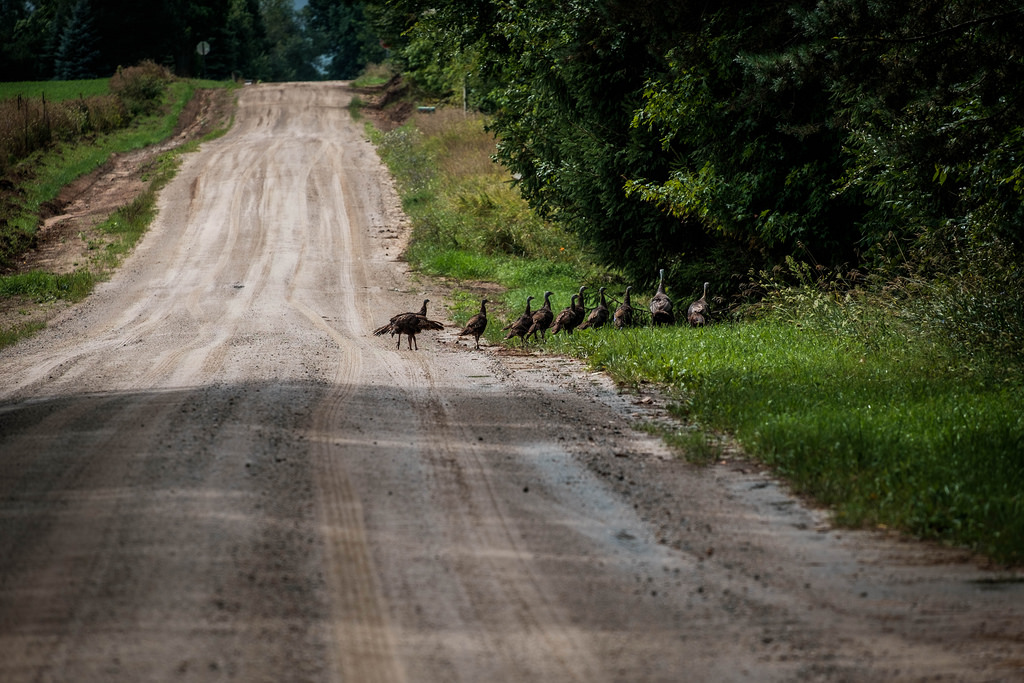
(212, 470)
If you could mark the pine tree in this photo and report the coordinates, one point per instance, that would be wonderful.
(77, 56)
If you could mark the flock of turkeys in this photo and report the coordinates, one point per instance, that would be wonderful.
(543, 320)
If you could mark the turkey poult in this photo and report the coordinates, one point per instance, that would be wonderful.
(598, 316)
(698, 310)
(476, 325)
(624, 313)
(521, 325)
(409, 324)
(661, 305)
(542, 318)
(565, 320)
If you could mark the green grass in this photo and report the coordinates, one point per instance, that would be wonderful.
(859, 400)
(55, 91)
(127, 225)
(374, 75)
(41, 286)
(888, 430)
(14, 334)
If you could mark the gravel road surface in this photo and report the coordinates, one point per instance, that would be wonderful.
(211, 470)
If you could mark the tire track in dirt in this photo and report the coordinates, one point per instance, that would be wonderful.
(490, 533)
(362, 648)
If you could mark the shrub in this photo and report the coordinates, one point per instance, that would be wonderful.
(23, 128)
(70, 120)
(141, 87)
(106, 113)
(979, 304)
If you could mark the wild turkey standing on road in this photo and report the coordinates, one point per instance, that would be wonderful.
(565, 320)
(409, 324)
(698, 310)
(541, 319)
(661, 305)
(624, 313)
(521, 325)
(476, 325)
(598, 316)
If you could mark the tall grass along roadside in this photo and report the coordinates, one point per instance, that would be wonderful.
(470, 224)
(41, 286)
(862, 400)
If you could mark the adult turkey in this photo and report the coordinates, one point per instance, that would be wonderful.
(698, 310)
(423, 312)
(566, 318)
(623, 316)
(409, 324)
(598, 316)
(521, 325)
(476, 325)
(661, 305)
(542, 318)
(580, 310)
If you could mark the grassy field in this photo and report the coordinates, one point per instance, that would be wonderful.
(58, 91)
(54, 91)
(854, 398)
(888, 430)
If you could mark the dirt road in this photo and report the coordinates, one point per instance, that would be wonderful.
(211, 470)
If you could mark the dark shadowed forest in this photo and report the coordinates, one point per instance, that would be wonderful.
(254, 39)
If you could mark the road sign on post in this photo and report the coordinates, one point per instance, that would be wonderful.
(202, 49)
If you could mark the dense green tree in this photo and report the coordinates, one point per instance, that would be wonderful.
(573, 78)
(290, 52)
(688, 133)
(239, 42)
(77, 55)
(930, 93)
(756, 151)
(447, 50)
(894, 119)
(565, 82)
(343, 38)
(254, 38)
(29, 35)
